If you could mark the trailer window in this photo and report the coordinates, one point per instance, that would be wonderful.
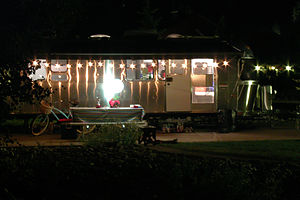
(202, 80)
(177, 66)
(59, 65)
(139, 70)
(202, 66)
(203, 95)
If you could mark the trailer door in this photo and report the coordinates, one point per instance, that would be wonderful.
(178, 86)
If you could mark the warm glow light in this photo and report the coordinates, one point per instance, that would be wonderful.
(215, 64)
(46, 64)
(288, 68)
(225, 63)
(112, 87)
(183, 65)
(257, 68)
(132, 66)
(153, 64)
(56, 65)
(100, 64)
(110, 65)
(122, 66)
(143, 65)
(272, 68)
(79, 65)
(35, 63)
(90, 64)
(163, 63)
(204, 65)
(173, 65)
(68, 66)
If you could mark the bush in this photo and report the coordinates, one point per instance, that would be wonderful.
(114, 134)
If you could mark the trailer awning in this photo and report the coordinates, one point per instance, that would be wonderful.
(112, 49)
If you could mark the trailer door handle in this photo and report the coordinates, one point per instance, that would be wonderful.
(169, 79)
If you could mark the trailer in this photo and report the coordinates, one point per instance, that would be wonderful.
(180, 83)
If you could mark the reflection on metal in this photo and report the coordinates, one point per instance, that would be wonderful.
(266, 97)
(95, 80)
(156, 91)
(148, 91)
(48, 79)
(77, 80)
(248, 92)
(131, 91)
(69, 83)
(50, 85)
(86, 81)
(59, 91)
(140, 90)
(185, 66)
(123, 73)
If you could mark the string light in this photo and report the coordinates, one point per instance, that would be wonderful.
(143, 65)
(56, 65)
(68, 66)
(132, 66)
(225, 63)
(163, 63)
(79, 65)
(288, 68)
(184, 66)
(46, 64)
(122, 66)
(215, 64)
(35, 63)
(257, 68)
(173, 65)
(90, 64)
(153, 64)
(100, 64)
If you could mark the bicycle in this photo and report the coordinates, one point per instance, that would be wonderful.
(42, 121)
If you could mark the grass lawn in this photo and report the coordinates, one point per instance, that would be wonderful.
(281, 150)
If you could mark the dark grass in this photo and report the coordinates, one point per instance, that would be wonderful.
(280, 150)
(136, 172)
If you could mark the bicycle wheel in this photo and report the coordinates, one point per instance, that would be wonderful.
(86, 129)
(40, 124)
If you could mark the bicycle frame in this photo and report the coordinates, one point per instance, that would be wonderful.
(61, 112)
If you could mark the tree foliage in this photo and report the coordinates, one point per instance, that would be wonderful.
(24, 26)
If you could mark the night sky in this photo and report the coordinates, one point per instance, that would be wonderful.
(268, 27)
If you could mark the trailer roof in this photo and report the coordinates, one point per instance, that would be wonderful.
(186, 48)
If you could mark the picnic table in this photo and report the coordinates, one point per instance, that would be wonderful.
(83, 116)
(105, 115)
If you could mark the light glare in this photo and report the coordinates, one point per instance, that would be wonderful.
(225, 63)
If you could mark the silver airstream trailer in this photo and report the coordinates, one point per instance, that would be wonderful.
(176, 81)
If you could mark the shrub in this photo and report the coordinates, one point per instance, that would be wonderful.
(113, 134)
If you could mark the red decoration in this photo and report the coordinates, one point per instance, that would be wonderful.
(114, 103)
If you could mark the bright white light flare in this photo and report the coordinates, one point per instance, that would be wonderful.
(112, 87)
